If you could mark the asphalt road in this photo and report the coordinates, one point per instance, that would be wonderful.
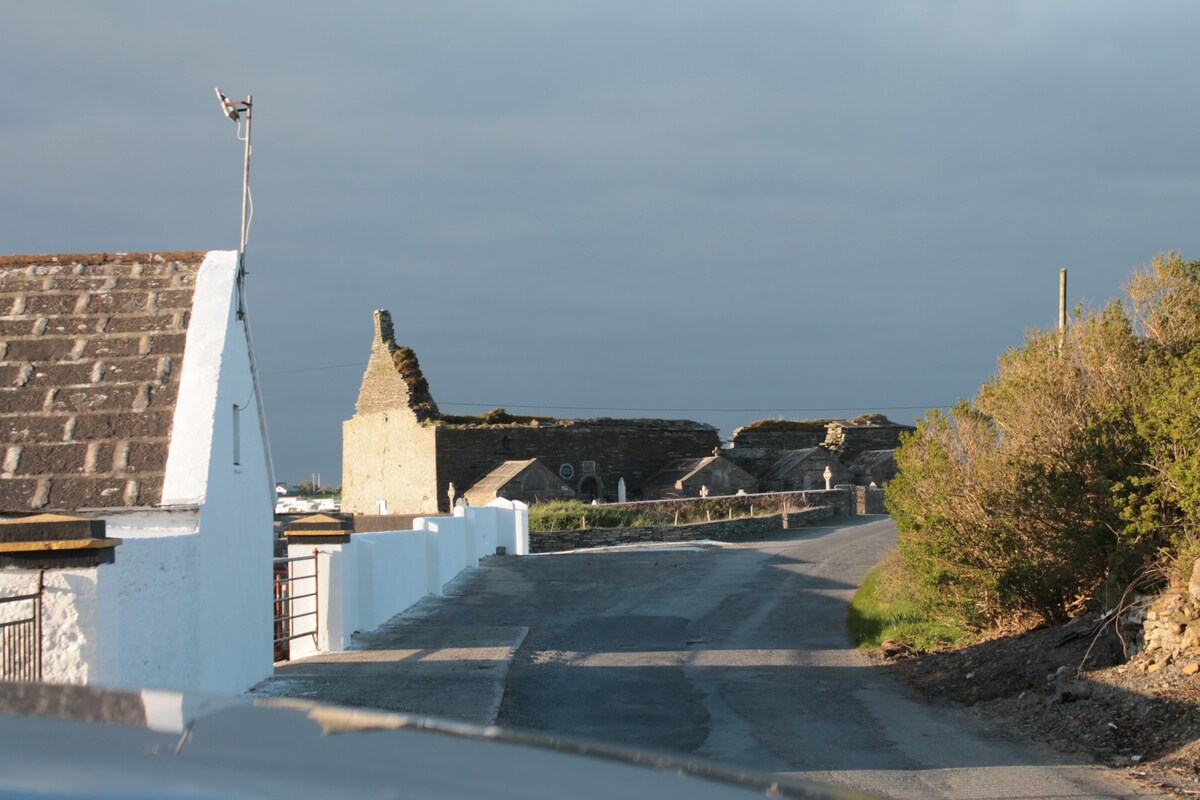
(736, 653)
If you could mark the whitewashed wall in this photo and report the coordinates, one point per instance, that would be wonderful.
(368, 580)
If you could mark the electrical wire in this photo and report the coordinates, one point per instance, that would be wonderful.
(773, 410)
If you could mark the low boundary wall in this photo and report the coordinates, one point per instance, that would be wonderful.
(726, 530)
(368, 578)
(772, 511)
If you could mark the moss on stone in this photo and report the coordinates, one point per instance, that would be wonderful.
(409, 369)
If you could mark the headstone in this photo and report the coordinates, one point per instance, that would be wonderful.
(704, 491)
(450, 494)
(828, 475)
(621, 490)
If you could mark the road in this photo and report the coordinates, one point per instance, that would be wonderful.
(735, 653)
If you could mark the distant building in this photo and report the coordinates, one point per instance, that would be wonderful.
(401, 453)
(528, 481)
(686, 476)
(802, 470)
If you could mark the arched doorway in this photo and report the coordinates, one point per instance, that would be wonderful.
(590, 488)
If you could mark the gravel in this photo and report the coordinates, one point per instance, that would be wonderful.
(1073, 688)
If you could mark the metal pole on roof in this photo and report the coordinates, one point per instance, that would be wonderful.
(249, 104)
(233, 110)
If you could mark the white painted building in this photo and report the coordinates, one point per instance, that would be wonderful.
(130, 394)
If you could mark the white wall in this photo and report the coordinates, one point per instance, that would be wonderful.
(368, 580)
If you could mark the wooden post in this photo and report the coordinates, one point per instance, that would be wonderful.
(1062, 299)
(1062, 309)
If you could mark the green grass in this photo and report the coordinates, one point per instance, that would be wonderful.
(570, 515)
(888, 607)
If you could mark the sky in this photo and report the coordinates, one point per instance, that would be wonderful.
(719, 211)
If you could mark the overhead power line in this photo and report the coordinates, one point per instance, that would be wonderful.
(772, 410)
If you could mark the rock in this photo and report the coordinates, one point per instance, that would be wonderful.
(1194, 583)
(1191, 668)
(1155, 666)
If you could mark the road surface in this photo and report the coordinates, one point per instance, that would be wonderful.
(735, 653)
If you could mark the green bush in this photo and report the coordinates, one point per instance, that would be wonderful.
(1076, 466)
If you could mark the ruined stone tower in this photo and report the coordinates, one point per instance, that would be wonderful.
(388, 453)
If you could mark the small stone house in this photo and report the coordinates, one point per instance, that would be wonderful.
(528, 481)
(801, 470)
(130, 409)
(847, 438)
(874, 466)
(685, 477)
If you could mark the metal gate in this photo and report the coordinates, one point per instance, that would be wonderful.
(286, 593)
(21, 635)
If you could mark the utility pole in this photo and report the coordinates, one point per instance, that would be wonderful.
(1062, 310)
(1062, 301)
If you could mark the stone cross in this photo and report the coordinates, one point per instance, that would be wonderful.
(451, 494)
(828, 477)
(704, 491)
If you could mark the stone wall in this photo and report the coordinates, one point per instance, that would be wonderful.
(722, 530)
(869, 500)
(389, 456)
(754, 449)
(841, 500)
(846, 440)
(629, 449)
(1168, 626)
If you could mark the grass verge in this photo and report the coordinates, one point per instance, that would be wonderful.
(888, 607)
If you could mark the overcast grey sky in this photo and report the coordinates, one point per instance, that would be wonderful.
(677, 208)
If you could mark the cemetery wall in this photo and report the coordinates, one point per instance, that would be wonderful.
(722, 530)
(583, 453)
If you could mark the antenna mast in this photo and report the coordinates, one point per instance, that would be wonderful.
(233, 110)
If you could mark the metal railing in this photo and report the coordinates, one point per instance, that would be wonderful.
(285, 595)
(21, 637)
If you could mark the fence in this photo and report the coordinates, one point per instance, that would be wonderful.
(286, 597)
(21, 638)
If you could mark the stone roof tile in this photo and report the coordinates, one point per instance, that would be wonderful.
(89, 374)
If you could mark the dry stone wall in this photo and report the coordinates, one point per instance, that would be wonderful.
(723, 530)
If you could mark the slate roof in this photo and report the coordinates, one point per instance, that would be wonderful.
(789, 460)
(499, 476)
(869, 459)
(90, 354)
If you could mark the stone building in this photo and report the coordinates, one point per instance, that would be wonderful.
(529, 481)
(801, 470)
(788, 455)
(873, 466)
(685, 477)
(847, 438)
(755, 447)
(400, 453)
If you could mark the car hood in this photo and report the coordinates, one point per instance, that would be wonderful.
(83, 741)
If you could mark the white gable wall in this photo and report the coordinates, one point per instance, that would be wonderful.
(188, 602)
(237, 500)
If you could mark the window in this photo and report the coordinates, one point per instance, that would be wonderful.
(237, 435)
